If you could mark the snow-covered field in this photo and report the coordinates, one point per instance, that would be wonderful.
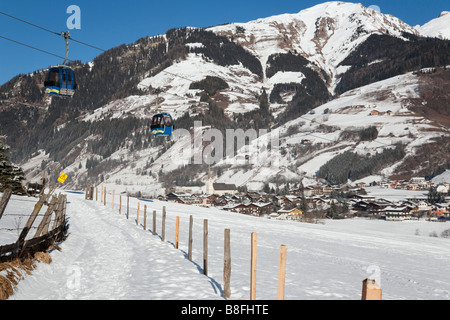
(107, 256)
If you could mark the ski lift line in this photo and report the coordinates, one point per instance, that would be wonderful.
(86, 44)
(31, 24)
(176, 75)
(34, 48)
(50, 31)
(310, 120)
(83, 43)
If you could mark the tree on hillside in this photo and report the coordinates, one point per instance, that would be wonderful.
(11, 176)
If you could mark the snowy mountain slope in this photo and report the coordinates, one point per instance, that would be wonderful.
(442, 178)
(107, 256)
(439, 27)
(305, 143)
(296, 53)
(325, 34)
(323, 129)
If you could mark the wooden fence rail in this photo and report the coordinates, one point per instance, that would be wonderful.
(43, 238)
(4, 201)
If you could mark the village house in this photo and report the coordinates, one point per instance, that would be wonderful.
(361, 185)
(288, 214)
(376, 208)
(439, 210)
(442, 188)
(173, 197)
(327, 190)
(397, 213)
(289, 201)
(308, 191)
(253, 209)
(222, 189)
(220, 201)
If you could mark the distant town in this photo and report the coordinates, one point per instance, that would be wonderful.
(317, 202)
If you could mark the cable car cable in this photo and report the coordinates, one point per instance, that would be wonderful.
(32, 24)
(26, 45)
(62, 34)
(50, 31)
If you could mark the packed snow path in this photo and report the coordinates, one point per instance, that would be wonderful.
(107, 256)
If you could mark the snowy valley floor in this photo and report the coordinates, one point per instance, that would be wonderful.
(107, 256)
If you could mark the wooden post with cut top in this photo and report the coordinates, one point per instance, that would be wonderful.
(281, 273)
(145, 217)
(205, 247)
(371, 290)
(227, 265)
(128, 206)
(163, 231)
(191, 221)
(154, 223)
(253, 267)
(137, 216)
(177, 231)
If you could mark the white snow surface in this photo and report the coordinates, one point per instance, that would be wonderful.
(439, 27)
(444, 177)
(107, 256)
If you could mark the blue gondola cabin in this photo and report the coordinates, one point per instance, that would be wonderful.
(162, 125)
(60, 82)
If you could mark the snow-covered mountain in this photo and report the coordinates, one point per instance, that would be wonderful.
(315, 80)
(325, 34)
(439, 27)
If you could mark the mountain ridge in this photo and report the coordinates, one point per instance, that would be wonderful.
(102, 135)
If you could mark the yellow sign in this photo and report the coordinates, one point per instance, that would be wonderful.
(62, 177)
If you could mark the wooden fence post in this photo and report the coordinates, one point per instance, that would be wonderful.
(31, 219)
(163, 230)
(281, 273)
(128, 206)
(137, 216)
(205, 247)
(227, 265)
(43, 226)
(370, 290)
(96, 193)
(101, 195)
(191, 222)
(253, 267)
(4, 201)
(154, 223)
(145, 217)
(104, 200)
(60, 211)
(120, 204)
(89, 193)
(177, 231)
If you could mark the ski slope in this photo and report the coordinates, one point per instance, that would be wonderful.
(107, 256)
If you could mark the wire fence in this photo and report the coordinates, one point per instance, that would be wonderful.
(48, 227)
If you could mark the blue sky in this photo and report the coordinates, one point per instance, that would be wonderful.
(107, 24)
